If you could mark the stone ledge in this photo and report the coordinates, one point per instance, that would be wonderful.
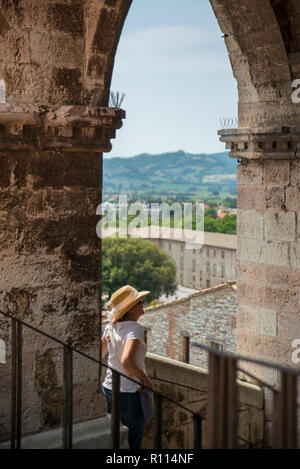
(262, 142)
(62, 128)
(182, 373)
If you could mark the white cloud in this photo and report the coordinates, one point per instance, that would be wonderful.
(168, 49)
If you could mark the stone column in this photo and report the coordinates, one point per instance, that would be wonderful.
(268, 265)
(50, 186)
(268, 243)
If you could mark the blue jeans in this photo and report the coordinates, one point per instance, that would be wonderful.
(131, 414)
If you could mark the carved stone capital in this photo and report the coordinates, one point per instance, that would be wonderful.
(262, 143)
(64, 128)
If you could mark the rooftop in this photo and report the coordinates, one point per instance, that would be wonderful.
(191, 237)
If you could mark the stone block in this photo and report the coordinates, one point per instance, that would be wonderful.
(282, 276)
(280, 226)
(259, 252)
(250, 174)
(251, 198)
(251, 273)
(295, 255)
(274, 197)
(295, 173)
(288, 326)
(250, 224)
(68, 51)
(293, 198)
(276, 173)
(61, 170)
(66, 18)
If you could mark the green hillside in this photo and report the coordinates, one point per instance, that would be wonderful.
(179, 171)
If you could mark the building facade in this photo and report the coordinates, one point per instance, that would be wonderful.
(207, 317)
(203, 267)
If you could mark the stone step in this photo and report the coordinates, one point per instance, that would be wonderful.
(94, 434)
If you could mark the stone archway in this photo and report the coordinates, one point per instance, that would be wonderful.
(47, 253)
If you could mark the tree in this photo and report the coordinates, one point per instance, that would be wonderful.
(137, 262)
(211, 212)
(227, 225)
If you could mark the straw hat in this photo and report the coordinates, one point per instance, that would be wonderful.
(124, 299)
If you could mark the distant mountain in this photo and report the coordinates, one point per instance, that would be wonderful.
(178, 171)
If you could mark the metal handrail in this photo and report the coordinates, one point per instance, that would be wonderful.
(222, 396)
(67, 420)
(228, 354)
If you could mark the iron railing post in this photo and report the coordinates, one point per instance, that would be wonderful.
(157, 421)
(197, 420)
(222, 402)
(115, 410)
(285, 405)
(16, 385)
(67, 396)
(13, 383)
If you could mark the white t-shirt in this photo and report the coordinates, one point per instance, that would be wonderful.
(123, 331)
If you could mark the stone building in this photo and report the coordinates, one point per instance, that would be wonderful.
(207, 317)
(205, 267)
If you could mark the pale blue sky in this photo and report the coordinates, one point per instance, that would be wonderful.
(174, 68)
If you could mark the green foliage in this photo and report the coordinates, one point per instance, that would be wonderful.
(211, 212)
(139, 263)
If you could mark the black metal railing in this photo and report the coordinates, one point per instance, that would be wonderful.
(222, 399)
(223, 367)
(68, 350)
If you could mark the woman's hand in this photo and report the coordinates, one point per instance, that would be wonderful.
(147, 382)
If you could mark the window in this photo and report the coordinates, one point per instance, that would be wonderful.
(208, 252)
(215, 269)
(181, 247)
(216, 345)
(215, 253)
(170, 245)
(194, 265)
(222, 270)
(223, 254)
(200, 275)
(208, 267)
(207, 283)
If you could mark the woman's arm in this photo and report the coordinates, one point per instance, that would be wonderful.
(104, 347)
(129, 364)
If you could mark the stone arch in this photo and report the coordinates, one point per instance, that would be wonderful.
(59, 52)
(264, 49)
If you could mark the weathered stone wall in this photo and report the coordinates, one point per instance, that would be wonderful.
(53, 53)
(205, 316)
(60, 52)
(50, 276)
(187, 385)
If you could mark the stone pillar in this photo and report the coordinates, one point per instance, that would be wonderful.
(50, 186)
(268, 265)
(268, 243)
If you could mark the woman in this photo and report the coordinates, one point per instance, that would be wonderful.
(123, 339)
